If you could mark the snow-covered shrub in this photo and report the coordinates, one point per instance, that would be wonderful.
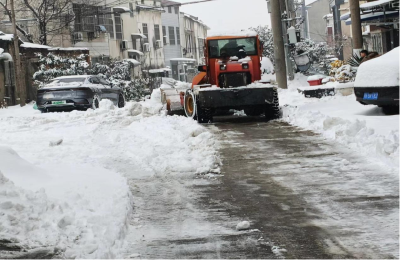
(265, 35)
(136, 89)
(53, 66)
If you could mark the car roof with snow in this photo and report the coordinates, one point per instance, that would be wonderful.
(73, 77)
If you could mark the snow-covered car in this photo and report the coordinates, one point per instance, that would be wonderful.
(377, 82)
(77, 92)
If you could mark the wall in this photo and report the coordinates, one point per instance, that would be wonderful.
(171, 20)
(317, 25)
(155, 58)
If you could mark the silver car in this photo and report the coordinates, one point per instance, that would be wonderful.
(77, 93)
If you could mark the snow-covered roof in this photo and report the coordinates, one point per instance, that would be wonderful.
(151, 8)
(327, 16)
(374, 16)
(73, 77)
(121, 9)
(136, 51)
(139, 35)
(29, 45)
(6, 37)
(68, 49)
(135, 62)
(371, 5)
(379, 72)
(246, 33)
(183, 59)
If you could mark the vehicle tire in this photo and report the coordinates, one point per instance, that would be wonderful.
(121, 101)
(254, 111)
(390, 110)
(204, 116)
(190, 105)
(96, 102)
(272, 111)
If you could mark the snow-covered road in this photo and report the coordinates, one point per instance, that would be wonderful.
(69, 172)
(134, 183)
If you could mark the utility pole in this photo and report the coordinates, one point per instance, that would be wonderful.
(356, 26)
(285, 8)
(279, 51)
(19, 86)
(305, 19)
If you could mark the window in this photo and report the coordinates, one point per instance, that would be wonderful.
(145, 32)
(142, 2)
(157, 32)
(201, 47)
(131, 9)
(171, 35)
(189, 43)
(169, 9)
(219, 48)
(118, 26)
(178, 36)
(164, 32)
(176, 10)
(85, 20)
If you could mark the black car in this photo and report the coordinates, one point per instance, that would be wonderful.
(377, 82)
(77, 92)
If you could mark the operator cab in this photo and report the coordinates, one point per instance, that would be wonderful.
(233, 61)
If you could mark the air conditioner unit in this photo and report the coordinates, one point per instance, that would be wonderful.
(146, 47)
(78, 36)
(158, 44)
(124, 45)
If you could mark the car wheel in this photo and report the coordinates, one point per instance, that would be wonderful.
(96, 102)
(390, 110)
(121, 101)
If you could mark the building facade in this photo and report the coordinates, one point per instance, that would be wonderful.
(171, 31)
(130, 30)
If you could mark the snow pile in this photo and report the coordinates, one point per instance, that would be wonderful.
(71, 176)
(244, 225)
(67, 207)
(362, 128)
(170, 145)
(379, 72)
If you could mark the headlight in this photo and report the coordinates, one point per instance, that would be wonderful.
(48, 95)
(222, 66)
(245, 66)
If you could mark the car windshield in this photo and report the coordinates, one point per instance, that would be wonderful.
(231, 47)
(69, 80)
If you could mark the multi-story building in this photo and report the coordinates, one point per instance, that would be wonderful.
(129, 30)
(171, 31)
(193, 35)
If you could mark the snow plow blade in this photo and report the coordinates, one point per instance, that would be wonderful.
(236, 98)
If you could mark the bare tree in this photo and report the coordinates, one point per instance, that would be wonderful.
(7, 11)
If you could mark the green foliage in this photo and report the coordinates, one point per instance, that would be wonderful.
(136, 89)
(355, 60)
(118, 73)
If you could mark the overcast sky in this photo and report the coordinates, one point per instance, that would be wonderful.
(228, 15)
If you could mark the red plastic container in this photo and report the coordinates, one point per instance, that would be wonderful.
(315, 82)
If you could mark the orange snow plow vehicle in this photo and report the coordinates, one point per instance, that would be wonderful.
(231, 79)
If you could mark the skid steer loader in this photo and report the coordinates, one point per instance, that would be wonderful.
(230, 79)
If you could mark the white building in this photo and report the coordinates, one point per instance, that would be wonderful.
(171, 31)
(193, 35)
(116, 30)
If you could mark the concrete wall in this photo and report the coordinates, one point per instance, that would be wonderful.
(317, 25)
(171, 20)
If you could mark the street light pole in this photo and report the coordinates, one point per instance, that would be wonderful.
(19, 86)
(279, 47)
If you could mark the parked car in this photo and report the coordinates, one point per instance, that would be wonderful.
(77, 92)
(377, 82)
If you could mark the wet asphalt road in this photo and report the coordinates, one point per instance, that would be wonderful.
(186, 217)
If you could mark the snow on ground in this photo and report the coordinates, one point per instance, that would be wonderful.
(66, 173)
(365, 129)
